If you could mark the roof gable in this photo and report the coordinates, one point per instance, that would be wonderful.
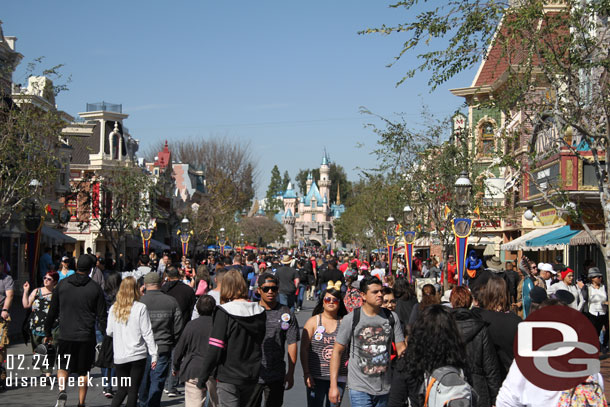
(314, 193)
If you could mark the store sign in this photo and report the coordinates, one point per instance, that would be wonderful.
(481, 223)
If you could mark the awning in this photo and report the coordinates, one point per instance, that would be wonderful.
(56, 236)
(424, 241)
(157, 245)
(480, 241)
(519, 243)
(553, 240)
(583, 238)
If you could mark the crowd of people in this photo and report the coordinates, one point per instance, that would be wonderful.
(226, 326)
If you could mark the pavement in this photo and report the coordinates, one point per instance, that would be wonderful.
(43, 396)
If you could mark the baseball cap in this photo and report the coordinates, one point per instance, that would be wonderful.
(547, 267)
(152, 278)
(65, 259)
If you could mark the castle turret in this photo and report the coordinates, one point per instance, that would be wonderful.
(324, 182)
(309, 181)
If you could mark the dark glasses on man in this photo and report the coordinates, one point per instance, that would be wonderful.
(331, 300)
(268, 288)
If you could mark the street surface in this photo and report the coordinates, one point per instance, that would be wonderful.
(38, 396)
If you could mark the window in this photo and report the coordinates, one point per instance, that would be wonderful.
(486, 141)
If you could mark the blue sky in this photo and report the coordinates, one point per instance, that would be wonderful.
(288, 77)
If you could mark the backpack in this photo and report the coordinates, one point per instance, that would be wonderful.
(447, 387)
(587, 394)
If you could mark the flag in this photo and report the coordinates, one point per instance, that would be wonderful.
(477, 212)
(447, 211)
(48, 209)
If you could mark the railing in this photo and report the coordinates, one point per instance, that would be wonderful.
(106, 107)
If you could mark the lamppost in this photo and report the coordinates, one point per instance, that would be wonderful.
(185, 235)
(33, 221)
(241, 242)
(222, 240)
(462, 226)
(390, 237)
(409, 236)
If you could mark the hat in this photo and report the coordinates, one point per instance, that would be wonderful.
(144, 259)
(446, 296)
(594, 272)
(546, 267)
(172, 272)
(364, 267)
(152, 278)
(349, 273)
(564, 296)
(494, 263)
(566, 272)
(538, 294)
(65, 259)
(286, 259)
(85, 263)
(263, 265)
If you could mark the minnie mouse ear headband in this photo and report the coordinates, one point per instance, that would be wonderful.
(336, 285)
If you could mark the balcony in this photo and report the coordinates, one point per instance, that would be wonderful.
(105, 107)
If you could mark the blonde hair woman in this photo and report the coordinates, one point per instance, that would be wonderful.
(129, 326)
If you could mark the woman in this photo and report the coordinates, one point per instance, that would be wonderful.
(353, 298)
(202, 281)
(405, 301)
(317, 342)
(129, 326)
(596, 303)
(428, 297)
(493, 308)
(482, 360)
(234, 350)
(105, 358)
(189, 273)
(434, 342)
(64, 268)
(40, 301)
(567, 283)
(389, 301)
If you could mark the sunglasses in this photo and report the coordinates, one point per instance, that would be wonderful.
(268, 288)
(331, 300)
(48, 279)
(389, 301)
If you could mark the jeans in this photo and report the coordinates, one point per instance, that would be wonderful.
(172, 381)
(318, 396)
(302, 290)
(361, 399)
(287, 300)
(108, 373)
(151, 388)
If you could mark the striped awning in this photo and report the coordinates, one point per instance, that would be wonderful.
(583, 238)
(520, 242)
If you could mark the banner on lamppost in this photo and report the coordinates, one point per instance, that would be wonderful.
(409, 239)
(33, 228)
(390, 241)
(461, 229)
(146, 236)
(184, 240)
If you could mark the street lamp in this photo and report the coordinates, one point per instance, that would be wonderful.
(185, 235)
(462, 226)
(222, 240)
(409, 236)
(390, 237)
(241, 242)
(33, 222)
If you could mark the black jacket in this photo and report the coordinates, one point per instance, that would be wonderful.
(184, 295)
(165, 318)
(404, 309)
(481, 356)
(78, 302)
(234, 349)
(192, 347)
(502, 329)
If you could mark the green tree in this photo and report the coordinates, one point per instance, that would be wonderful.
(261, 230)
(285, 180)
(338, 177)
(274, 205)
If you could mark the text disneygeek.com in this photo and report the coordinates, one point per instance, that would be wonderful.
(52, 382)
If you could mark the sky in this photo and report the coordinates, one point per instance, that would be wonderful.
(286, 78)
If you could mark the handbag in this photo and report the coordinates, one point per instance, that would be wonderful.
(105, 353)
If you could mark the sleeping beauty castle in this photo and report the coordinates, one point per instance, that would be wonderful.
(309, 219)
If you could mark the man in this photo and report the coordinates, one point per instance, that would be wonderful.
(547, 273)
(46, 262)
(451, 270)
(512, 280)
(281, 328)
(331, 274)
(164, 263)
(78, 302)
(166, 323)
(238, 266)
(6, 299)
(143, 267)
(97, 272)
(185, 297)
(370, 342)
(378, 271)
(288, 281)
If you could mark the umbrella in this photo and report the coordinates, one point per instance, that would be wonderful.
(249, 248)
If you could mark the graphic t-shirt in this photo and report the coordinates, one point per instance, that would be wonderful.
(369, 354)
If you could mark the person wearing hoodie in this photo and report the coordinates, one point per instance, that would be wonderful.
(235, 345)
(482, 360)
(185, 296)
(78, 302)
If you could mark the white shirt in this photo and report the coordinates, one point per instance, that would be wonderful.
(132, 339)
(597, 296)
(578, 302)
(517, 391)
